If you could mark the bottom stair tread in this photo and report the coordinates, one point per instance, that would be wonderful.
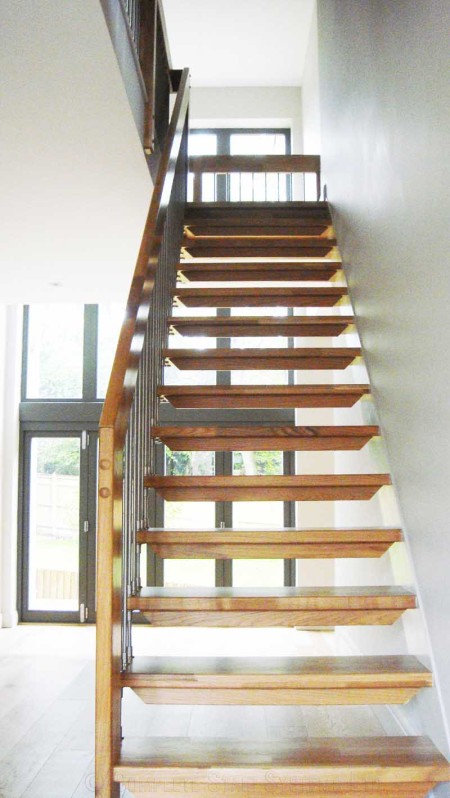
(229, 766)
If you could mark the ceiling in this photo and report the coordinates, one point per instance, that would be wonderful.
(240, 42)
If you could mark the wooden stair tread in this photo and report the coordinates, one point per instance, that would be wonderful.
(252, 396)
(280, 680)
(301, 358)
(318, 487)
(267, 607)
(237, 598)
(298, 761)
(259, 240)
(253, 228)
(294, 207)
(255, 217)
(270, 535)
(235, 326)
(284, 543)
(260, 248)
(259, 438)
(274, 672)
(195, 271)
(327, 296)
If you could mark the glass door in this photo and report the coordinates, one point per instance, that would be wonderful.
(58, 577)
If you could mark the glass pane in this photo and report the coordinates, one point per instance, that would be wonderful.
(110, 319)
(55, 352)
(202, 144)
(258, 144)
(189, 515)
(54, 524)
(258, 573)
(189, 573)
(258, 515)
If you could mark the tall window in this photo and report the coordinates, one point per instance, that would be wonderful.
(245, 187)
(68, 353)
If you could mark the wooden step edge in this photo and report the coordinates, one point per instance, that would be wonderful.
(337, 431)
(327, 535)
(285, 534)
(325, 672)
(247, 326)
(264, 438)
(327, 290)
(307, 480)
(219, 544)
(287, 681)
(191, 264)
(277, 205)
(315, 599)
(340, 487)
(262, 321)
(283, 227)
(273, 353)
(272, 240)
(265, 767)
(246, 396)
(311, 235)
(312, 390)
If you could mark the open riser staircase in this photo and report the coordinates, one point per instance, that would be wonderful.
(220, 256)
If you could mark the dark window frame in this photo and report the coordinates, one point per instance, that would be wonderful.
(62, 417)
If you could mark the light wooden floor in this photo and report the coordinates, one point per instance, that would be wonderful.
(47, 702)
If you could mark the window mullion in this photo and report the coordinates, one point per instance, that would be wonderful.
(90, 338)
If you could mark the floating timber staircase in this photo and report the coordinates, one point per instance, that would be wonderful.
(242, 246)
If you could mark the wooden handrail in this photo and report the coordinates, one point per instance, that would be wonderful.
(123, 377)
(255, 163)
(228, 164)
(154, 55)
(120, 481)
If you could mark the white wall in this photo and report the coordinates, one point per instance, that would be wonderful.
(311, 93)
(384, 107)
(10, 371)
(249, 107)
(75, 183)
(312, 142)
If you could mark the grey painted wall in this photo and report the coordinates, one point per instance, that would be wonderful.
(384, 89)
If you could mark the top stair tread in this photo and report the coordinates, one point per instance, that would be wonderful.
(324, 760)
(272, 210)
